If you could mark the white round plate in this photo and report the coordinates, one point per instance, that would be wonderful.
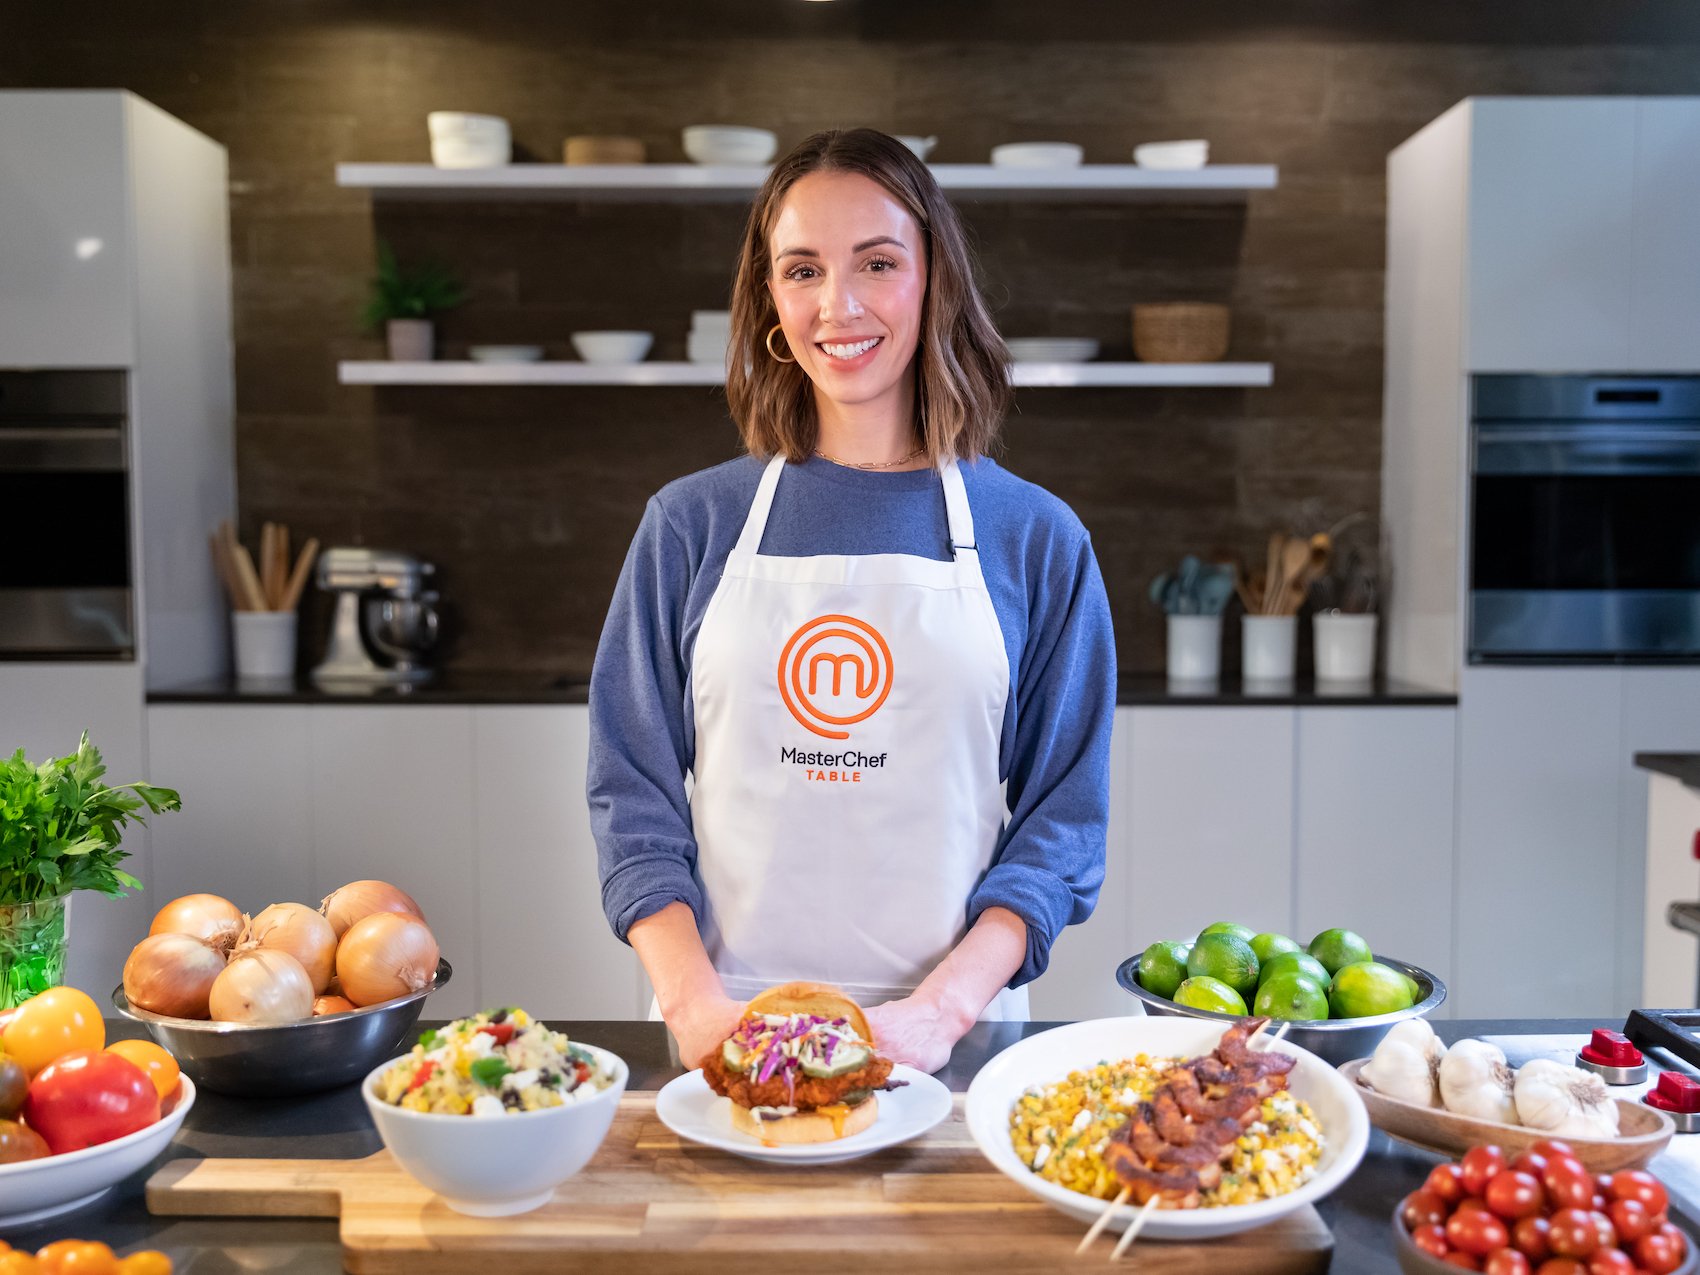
(32, 1190)
(1050, 1056)
(692, 1110)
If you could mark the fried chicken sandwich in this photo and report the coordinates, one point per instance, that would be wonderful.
(801, 1066)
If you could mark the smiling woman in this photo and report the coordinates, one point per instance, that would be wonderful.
(869, 577)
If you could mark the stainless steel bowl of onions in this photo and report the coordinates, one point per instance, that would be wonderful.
(291, 1000)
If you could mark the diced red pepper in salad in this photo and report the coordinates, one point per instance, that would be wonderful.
(503, 1032)
(422, 1075)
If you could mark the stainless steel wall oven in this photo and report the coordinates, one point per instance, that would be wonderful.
(1584, 518)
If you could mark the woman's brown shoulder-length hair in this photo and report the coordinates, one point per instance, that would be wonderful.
(962, 387)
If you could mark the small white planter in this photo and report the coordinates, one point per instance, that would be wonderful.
(411, 340)
(1345, 647)
(265, 645)
(1195, 648)
(1269, 647)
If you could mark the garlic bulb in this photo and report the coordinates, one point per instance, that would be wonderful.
(1474, 1081)
(1406, 1065)
(1564, 1100)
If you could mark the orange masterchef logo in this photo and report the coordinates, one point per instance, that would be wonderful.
(834, 672)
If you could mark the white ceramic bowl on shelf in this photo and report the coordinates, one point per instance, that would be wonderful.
(729, 144)
(1052, 349)
(920, 147)
(460, 140)
(1038, 155)
(497, 1166)
(505, 353)
(612, 347)
(1193, 153)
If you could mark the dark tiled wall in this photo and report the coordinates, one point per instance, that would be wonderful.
(526, 498)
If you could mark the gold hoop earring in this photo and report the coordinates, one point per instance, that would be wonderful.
(775, 328)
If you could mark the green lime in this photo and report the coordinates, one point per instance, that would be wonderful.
(1204, 992)
(1240, 932)
(1366, 988)
(1335, 948)
(1226, 957)
(1416, 991)
(1294, 962)
(1162, 967)
(1269, 946)
(1292, 995)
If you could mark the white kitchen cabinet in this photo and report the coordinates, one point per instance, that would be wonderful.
(1540, 758)
(1374, 829)
(1661, 714)
(543, 941)
(1664, 317)
(392, 792)
(1671, 811)
(43, 710)
(1551, 221)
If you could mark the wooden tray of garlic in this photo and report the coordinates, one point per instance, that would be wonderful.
(1448, 1100)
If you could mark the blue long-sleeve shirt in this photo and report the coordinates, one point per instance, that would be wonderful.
(1051, 607)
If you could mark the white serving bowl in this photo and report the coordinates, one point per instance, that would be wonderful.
(729, 144)
(1052, 349)
(497, 1166)
(460, 140)
(1194, 153)
(506, 353)
(921, 147)
(612, 347)
(1038, 155)
(34, 1190)
(1050, 1056)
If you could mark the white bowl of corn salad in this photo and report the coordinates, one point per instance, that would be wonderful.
(495, 1111)
(1042, 1110)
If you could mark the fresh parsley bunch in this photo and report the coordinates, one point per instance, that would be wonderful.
(60, 826)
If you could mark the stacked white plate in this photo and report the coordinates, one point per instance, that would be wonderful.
(1038, 155)
(710, 337)
(729, 144)
(1052, 349)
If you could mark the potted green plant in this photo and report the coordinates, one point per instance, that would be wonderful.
(403, 302)
(59, 833)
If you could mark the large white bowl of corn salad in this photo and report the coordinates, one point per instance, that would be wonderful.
(1042, 1110)
(495, 1111)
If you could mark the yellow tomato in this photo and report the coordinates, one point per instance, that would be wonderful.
(148, 1262)
(55, 1022)
(160, 1066)
(18, 1264)
(88, 1257)
(51, 1256)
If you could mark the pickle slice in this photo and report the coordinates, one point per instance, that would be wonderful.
(732, 1055)
(845, 1059)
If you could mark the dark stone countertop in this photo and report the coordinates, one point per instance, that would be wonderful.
(335, 1125)
(471, 687)
(1682, 766)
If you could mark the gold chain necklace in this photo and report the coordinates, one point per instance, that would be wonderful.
(873, 464)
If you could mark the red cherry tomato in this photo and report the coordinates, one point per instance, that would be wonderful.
(1550, 1147)
(1506, 1261)
(1562, 1266)
(503, 1032)
(1512, 1195)
(1423, 1207)
(20, 1142)
(1432, 1240)
(1530, 1236)
(1631, 1219)
(86, 1098)
(1446, 1181)
(1658, 1253)
(1472, 1204)
(1611, 1261)
(1479, 1166)
(1640, 1186)
(1531, 1162)
(1467, 1261)
(1568, 1188)
(1573, 1233)
(1603, 1226)
(1476, 1231)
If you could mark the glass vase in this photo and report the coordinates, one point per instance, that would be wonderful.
(32, 949)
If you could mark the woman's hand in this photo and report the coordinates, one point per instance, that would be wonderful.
(703, 1025)
(916, 1030)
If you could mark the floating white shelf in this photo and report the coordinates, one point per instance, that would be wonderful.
(1037, 375)
(709, 183)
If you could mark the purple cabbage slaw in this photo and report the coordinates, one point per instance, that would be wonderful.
(772, 1044)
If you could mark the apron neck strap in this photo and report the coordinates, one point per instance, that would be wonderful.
(960, 520)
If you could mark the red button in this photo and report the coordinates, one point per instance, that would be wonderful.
(1611, 1049)
(1697, 843)
(1675, 1093)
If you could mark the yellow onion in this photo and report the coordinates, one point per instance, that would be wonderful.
(209, 917)
(172, 974)
(297, 929)
(332, 1005)
(360, 899)
(385, 955)
(262, 985)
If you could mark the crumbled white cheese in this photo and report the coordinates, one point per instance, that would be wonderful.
(481, 1045)
(487, 1105)
(1081, 1121)
(518, 1081)
(1039, 1158)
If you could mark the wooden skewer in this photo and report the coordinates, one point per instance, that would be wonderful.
(298, 578)
(267, 566)
(254, 598)
(1132, 1232)
(1104, 1219)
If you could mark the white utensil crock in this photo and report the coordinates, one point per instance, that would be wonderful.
(1345, 647)
(1269, 646)
(1195, 648)
(265, 644)
(410, 340)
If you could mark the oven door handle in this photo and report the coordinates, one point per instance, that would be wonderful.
(1633, 450)
(55, 448)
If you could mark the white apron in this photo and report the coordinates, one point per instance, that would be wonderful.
(846, 801)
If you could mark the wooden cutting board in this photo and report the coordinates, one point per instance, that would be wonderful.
(650, 1203)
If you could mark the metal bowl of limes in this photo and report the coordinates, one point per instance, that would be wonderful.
(1337, 1040)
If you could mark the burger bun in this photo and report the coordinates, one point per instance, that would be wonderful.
(806, 1126)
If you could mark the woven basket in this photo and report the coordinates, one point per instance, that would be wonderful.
(1180, 332)
(604, 150)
